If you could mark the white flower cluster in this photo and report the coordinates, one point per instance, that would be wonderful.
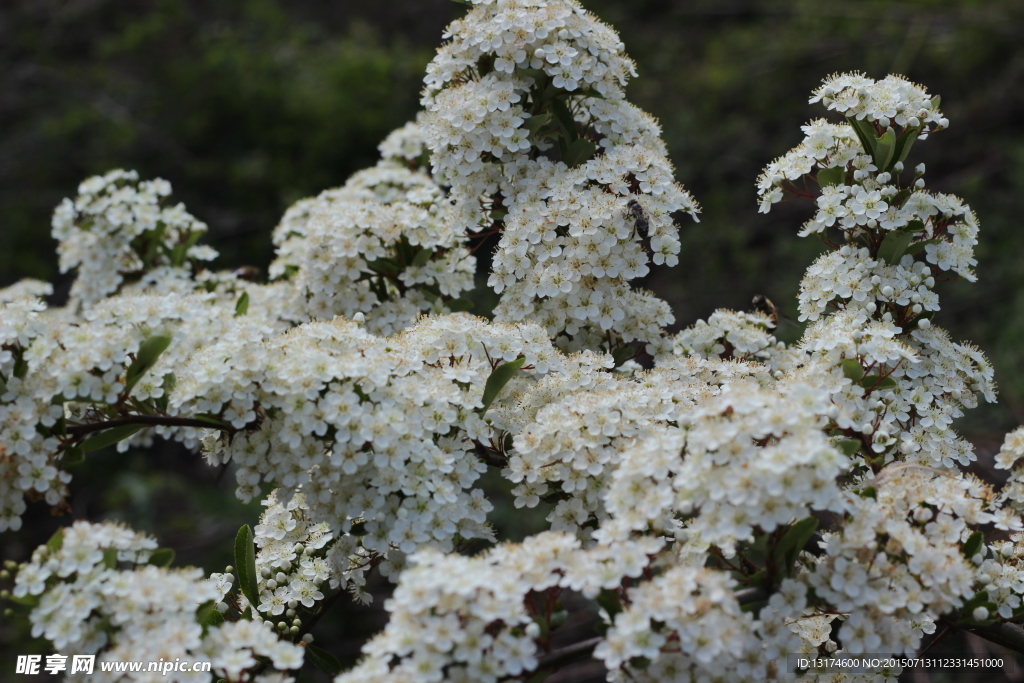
(733, 335)
(379, 433)
(686, 624)
(893, 99)
(407, 146)
(529, 125)
(118, 227)
(899, 558)
(465, 619)
(91, 591)
(54, 374)
(382, 245)
(290, 565)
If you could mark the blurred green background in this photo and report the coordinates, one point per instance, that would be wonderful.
(248, 105)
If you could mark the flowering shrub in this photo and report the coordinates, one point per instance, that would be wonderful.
(720, 499)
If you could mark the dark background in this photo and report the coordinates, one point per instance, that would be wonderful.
(248, 105)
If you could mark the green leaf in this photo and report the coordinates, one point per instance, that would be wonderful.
(794, 540)
(913, 226)
(385, 266)
(245, 565)
(209, 616)
(148, 353)
(110, 558)
(894, 246)
(20, 366)
(213, 421)
(831, 176)
(162, 557)
(242, 305)
(56, 542)
(852, 369)
(565, 120)
(421, 257)
(918, 246)
(500, 376)
(610, 601)
(973, 544)
(26, 600)
(849, 446)
(623, 353)
(979, 598)
(878, 383)
(3, 386)
(169, 382)
(868, 492)
(74, 455)
(535, 123)
(323, 660)
(904, 144)
(578, 152)
(865, 133)
(457, 305)
(109, 437)
(884, 148)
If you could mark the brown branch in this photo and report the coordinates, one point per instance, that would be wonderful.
(1010, 636)
(145, 420)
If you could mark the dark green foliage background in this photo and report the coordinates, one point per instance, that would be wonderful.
(248, 105)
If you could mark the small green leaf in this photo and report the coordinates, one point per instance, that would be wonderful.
(110, 558)
(913, 226)
(385, 266)
(868, 492)
(209, 616)
(421, 257)
(610, 601)
(904, 144)
(213, 421)
(884, 148)
(20, 366)
(894, 246)
(109, 437)
(457, 305)
(794, 540)
(162, 557)
(878, 383)
(245, 565)
(500, 376)
(146, 357)
(565, 120)
(622, 354)
(973, 544)
(831, 176)
(579, 152)
(639, 662)
(74, 455)
(56, 541)
(849, 446)
(242, 305)
(865, 133)
(535, 123)
(323, 660)
(918, 246)
(852, 369)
